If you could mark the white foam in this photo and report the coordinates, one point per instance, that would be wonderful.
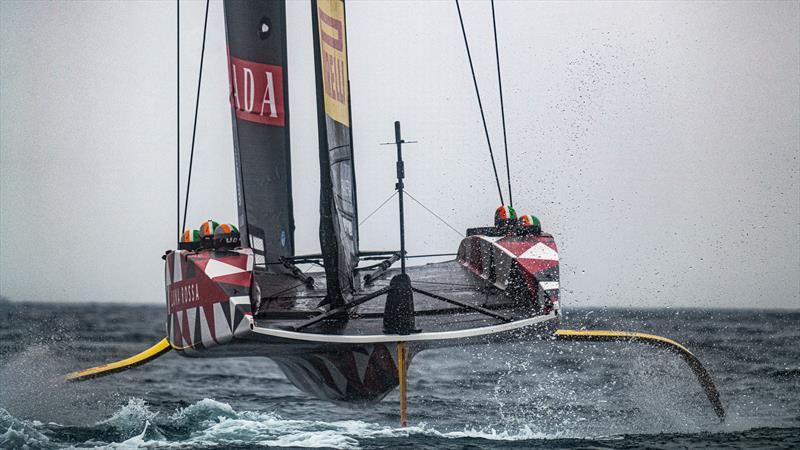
(217, 424)
(132, 417)
(20, 433)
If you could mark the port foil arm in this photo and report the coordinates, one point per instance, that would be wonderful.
(626, 336)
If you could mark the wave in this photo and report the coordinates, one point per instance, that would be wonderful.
(20, 434)
(210, 423)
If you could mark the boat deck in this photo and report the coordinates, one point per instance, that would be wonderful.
(287, 303)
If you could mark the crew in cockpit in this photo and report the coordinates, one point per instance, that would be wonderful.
(505, 219)
(226, 235)
(530, 223)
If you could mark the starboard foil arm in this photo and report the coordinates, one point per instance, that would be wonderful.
(697, 367)
(144, 357)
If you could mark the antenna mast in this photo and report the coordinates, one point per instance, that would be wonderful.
(399, 186)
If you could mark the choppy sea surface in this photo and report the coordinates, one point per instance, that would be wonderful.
(518, 395)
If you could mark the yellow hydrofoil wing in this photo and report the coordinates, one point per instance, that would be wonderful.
(125, 364)
(697, 367)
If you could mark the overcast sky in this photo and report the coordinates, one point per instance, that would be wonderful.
(658, 141)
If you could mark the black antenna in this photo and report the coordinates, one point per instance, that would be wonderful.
(401, 173)
(502, 109)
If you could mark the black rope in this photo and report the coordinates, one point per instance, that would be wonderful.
(434, 214)
(379, 207)
(502, 109)
(178, 123)
(196, 106)
(282, 291)
(480, 105)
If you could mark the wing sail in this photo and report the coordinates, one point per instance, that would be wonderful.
(338, 211)
(257, 71)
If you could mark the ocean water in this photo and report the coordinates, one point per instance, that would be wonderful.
(520, 395)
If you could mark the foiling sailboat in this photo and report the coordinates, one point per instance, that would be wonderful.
(347, 333)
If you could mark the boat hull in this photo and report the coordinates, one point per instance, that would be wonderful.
(358, 368)
(219, 306)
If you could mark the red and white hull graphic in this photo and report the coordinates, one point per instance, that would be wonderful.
(208, 297)
(507, 261)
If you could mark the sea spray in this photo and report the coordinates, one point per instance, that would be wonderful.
(525, 394)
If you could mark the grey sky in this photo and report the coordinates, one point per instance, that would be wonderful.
(658, 142)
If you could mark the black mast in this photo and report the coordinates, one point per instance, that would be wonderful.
(400, 175)
(255, 34)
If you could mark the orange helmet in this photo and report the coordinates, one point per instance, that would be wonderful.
(529, 220)
(190, 236)
(225, 231)
(207, 228)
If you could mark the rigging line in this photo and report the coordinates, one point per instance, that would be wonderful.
(379, 207)
(275, 295)
(431, 255)
(240, 183)
(196, 106)
(502, 108)
(178, 122)
(434, 214)
(480, 105)
(282, 291)
(440, 283)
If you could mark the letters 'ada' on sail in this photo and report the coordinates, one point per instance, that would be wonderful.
(338, 210)
(256, 38)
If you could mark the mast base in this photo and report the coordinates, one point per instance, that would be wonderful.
(398, 313)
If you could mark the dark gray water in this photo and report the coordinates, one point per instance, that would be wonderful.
(524, 395)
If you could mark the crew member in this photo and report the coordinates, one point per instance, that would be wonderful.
(207, 229)
(189, 240)
(505, 218)
(226, 235)
(530, 222)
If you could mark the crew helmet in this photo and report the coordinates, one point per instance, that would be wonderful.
(529, 220)
(503, 215)
(189, 236)
(225, 230)
(207, 229)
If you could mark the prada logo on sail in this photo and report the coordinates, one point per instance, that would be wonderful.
(333, 59)
(257, 91)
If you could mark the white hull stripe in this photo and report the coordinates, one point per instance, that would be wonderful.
(548, 285)
(540, 251)
(241, 300)
(216, 268)
(374, 338)
(491, 239)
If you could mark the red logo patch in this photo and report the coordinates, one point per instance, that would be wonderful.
(257, 91)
